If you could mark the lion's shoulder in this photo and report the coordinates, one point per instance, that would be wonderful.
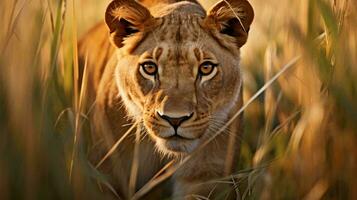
(94, 52)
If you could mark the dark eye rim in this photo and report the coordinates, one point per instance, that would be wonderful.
(142, 65)
(207, 63)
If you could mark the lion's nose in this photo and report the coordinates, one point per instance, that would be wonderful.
(175, 122)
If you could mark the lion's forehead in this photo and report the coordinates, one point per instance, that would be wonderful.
(179, 54)
(179, 28)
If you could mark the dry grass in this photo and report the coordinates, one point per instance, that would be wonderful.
(300, 137)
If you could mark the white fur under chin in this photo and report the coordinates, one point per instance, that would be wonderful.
(172, 147)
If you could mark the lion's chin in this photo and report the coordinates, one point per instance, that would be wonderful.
(176, 145)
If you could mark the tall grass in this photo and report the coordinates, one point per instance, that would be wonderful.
(300, 137)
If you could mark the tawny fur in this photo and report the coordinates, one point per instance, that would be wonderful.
(178, 36)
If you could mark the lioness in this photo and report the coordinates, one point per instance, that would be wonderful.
(173, 69)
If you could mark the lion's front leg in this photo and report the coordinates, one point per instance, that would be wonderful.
(199, 177)
(194, 190)
(208, 189)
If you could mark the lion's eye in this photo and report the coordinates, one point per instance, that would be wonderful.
(206, 68)
(149, 68)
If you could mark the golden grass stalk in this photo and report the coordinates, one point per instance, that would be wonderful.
(115, 146)
(78, 100)
(135, 162)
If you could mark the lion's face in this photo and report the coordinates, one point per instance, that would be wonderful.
(180, 76)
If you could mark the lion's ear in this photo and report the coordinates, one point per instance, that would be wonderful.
(233, 18)
(125, 17)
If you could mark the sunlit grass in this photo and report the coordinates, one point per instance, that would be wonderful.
(300, 69)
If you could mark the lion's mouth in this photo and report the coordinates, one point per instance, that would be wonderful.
(177, 137)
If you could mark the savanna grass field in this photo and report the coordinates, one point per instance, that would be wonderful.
(300, 101)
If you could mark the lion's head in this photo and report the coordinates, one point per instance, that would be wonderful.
(178, 67)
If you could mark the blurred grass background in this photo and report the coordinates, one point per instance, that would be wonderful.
(300, 139)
